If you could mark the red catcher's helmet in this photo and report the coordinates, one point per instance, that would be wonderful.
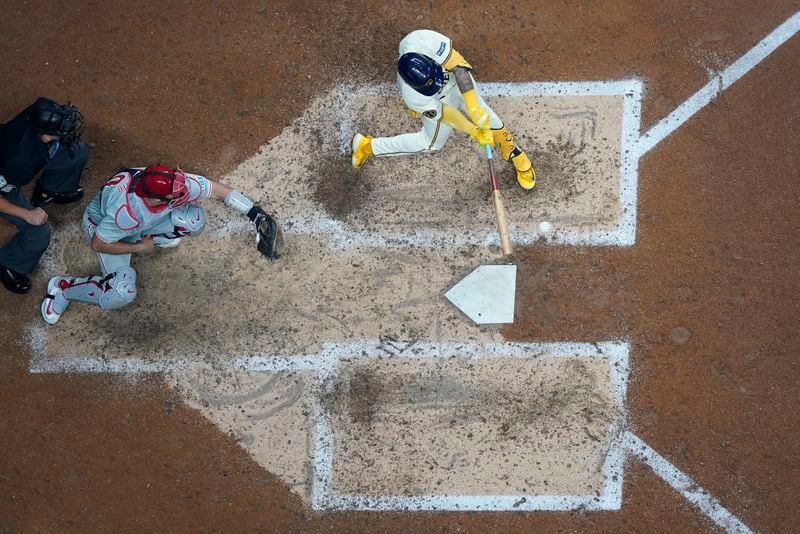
(158, 181)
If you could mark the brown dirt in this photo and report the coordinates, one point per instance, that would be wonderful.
(205, 84)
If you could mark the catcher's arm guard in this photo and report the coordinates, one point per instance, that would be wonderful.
(269, 236)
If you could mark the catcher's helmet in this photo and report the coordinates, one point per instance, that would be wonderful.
(421, 72)
(158, 181)
(48, 117)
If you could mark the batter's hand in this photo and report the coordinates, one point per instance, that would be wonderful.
(484, 137)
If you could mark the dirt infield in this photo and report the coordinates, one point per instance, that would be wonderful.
(706, 296)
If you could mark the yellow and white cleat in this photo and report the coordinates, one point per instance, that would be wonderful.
(362, 149)
(526, 176)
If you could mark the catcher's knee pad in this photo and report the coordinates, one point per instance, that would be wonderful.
(505, 141)
(119, 289)
(189, 220)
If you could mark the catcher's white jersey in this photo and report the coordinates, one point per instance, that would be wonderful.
(119, 214)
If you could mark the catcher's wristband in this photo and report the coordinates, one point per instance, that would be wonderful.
(254, 212)
(237, 201)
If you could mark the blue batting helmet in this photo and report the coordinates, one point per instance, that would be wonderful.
(422, 73)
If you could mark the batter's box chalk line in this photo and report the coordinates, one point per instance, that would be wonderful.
(325, 363)
(623, 235)
(615, 352)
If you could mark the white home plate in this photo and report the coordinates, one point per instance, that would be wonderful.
(486, 295)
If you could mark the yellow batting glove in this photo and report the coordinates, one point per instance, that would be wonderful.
(477, 114)
(413, 113)
(483, 137)
(486, 138)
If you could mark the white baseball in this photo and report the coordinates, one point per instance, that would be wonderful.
(545, 227)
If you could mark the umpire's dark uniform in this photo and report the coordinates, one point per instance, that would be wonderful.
(23, 156)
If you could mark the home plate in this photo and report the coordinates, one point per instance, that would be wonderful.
(486, 295)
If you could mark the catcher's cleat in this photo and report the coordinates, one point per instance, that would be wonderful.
(55, 286)
(362, 149)
(526, 176)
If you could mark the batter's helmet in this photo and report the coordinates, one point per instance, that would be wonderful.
(50, 118)
(158, 181)
(421, 72)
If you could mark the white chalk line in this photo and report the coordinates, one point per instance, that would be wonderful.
(723, 80)
(629, 165)
(719, 83)
(344, 237)
(623, 234)
(331, 355)
(616, 352)
(322, 460)
(684, 485)
(455, 503)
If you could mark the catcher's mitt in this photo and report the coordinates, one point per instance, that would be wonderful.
(269, 236)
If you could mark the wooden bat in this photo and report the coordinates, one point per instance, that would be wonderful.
(499, 209)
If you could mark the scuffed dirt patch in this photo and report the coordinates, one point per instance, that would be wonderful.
(470, 426)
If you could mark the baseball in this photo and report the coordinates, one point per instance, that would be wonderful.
(545, 228)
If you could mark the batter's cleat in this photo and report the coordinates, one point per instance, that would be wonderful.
(526, 176)
(362, 149)
(55, 287)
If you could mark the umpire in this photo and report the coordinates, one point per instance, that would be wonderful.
(44, 141)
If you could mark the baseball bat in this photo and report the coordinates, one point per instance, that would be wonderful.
(499, 209)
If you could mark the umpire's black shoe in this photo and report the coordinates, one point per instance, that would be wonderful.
(42, 197)
(14, 281)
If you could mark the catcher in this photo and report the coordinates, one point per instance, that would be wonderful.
(437, 86)
(138, 210)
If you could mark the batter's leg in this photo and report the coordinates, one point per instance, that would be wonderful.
(430, 138)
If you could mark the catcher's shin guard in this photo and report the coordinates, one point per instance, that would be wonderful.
(114, 291)
(526, 176)
(362, 149)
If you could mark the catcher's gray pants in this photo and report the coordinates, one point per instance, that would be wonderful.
(116, 287)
